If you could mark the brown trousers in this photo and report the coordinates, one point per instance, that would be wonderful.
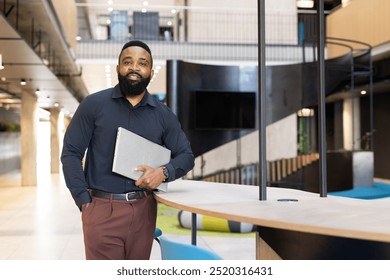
(119, 230)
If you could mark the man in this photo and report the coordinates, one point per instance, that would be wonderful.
(113, 227)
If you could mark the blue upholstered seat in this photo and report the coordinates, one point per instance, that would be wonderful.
(171, 250)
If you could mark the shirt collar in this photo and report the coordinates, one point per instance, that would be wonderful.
(147, 99)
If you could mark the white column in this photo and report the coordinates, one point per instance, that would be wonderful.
(66, 122)
(351, 124)
(56, 131)
(29, 123)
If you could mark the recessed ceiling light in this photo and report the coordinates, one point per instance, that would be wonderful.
(305, 3)
(1, 62)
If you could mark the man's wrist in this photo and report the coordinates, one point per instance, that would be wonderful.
(165, 172)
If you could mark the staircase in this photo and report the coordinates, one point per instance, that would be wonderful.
(277, 171)
(342, 75)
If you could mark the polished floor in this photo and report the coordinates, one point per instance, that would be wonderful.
(38, 222)
(42, 223)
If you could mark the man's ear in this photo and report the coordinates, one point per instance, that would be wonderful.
(151, 73)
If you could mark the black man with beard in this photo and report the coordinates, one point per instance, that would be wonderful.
(114, 226)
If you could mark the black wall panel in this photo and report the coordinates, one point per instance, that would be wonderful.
(184, 79)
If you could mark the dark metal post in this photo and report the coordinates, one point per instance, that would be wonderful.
(17, 15)
(172, 86)
(262, 100)
(321, 98)
(372, 130)
(185, 21)
(32, 33)
(193, 228)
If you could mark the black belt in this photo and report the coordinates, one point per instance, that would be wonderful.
(130, 196)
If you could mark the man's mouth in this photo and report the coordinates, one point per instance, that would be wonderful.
(134, 76)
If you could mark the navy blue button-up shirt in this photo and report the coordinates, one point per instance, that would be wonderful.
(93, 130)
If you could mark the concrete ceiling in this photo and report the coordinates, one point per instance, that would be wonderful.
(33, 49)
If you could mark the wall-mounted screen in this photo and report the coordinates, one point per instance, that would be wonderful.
(225, 109)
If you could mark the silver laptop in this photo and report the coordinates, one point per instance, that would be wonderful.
(132, 150)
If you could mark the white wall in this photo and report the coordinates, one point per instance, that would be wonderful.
(281, 141)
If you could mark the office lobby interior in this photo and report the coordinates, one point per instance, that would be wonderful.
(207, 67)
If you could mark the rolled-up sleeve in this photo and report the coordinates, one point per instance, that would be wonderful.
(182, 157)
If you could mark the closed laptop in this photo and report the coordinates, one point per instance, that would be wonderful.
(132, 150)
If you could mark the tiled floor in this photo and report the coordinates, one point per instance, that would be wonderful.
(38, 222)
(42, 223)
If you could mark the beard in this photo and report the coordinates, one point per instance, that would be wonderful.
(132, 88)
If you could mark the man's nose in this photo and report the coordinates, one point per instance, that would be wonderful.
(134, 66)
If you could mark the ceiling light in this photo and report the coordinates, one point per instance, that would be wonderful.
(345, 2)
(305, 112)
(23, 82)
(4, 95)
(363, 92)
(10, 101)
(305, 3)
(1, 62)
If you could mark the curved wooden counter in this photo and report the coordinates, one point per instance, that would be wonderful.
(330, 216)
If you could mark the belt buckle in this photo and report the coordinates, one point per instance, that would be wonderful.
(127, 197)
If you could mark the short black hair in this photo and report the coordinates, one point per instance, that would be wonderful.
(137, 43)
